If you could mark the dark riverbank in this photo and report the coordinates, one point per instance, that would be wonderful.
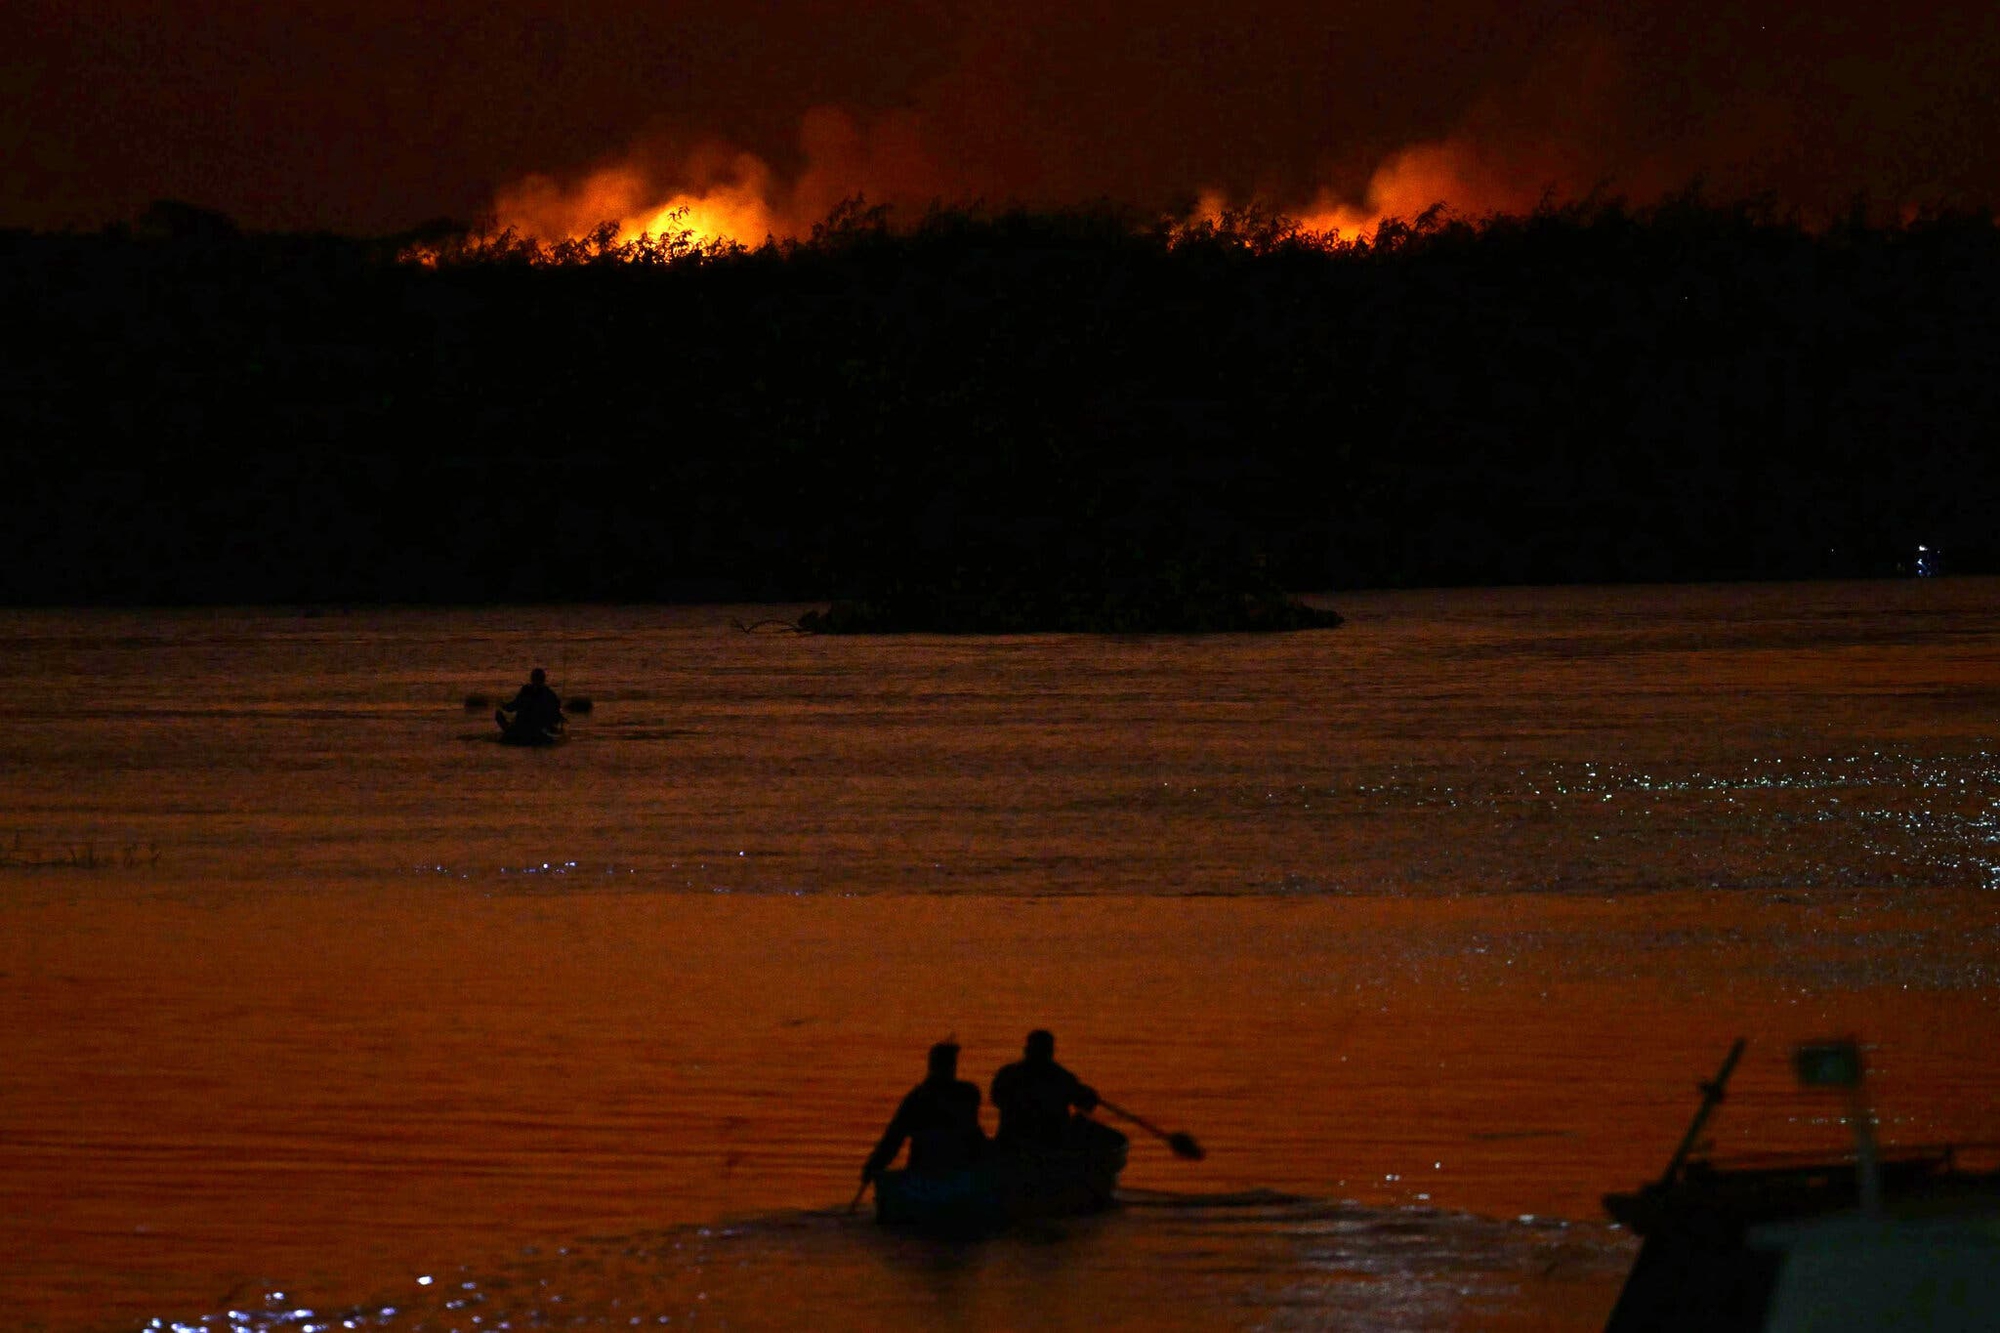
(1590, 394)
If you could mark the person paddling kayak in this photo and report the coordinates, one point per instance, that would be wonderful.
(537, 712)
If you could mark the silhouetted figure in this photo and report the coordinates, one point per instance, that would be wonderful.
(537, 712)
(939, 1117)
(1034, 1096)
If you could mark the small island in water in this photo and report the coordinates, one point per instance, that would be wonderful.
(1022, 610)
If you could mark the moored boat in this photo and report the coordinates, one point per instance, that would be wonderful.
(1004, 1188)
(1902, 1238)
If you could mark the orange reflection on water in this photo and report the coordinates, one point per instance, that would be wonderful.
(334, 1091)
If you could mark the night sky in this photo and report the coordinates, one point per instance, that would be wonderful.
(363, 117)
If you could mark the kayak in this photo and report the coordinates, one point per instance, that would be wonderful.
(531, 736)
(512, 733)
(1004, 1188)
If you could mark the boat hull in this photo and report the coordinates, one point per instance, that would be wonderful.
(1759, 1250)
(1001, 1190)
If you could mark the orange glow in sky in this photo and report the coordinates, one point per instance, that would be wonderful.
(377, 124)
(724, 194)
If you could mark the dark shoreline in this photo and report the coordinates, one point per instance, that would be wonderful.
(1068, 408)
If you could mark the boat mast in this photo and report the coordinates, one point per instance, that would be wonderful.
(1711, 1097)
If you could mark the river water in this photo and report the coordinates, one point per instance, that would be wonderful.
(320, 1010)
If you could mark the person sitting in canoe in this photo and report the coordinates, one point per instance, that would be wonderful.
(1034, 1096)
(939, 1117)
(537, 711)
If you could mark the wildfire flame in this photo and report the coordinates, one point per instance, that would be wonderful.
(725, 196)
(1451, 172)
(722, 195)
(735, 208)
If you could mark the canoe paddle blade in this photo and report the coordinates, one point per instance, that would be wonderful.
(1181, 1141)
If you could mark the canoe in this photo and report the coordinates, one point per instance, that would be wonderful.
(1003, 1189)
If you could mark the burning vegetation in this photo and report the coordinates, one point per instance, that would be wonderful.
(1032, 410)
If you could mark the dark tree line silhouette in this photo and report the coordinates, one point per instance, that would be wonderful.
(995, 417)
